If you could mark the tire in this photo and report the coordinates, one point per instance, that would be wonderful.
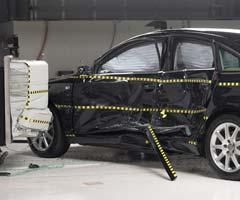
(58, 144)
(222, 150)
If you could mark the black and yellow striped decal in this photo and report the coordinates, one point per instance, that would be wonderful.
(161, 153)
(37, 91)
(34, 92)
(205, 117)
(192, 142)
(34, 120)
(62, 106)
(70, 135)
(142, 79)
(229, 84)
(31, 92)
(29, 81)
(155, 80)
(163, 111)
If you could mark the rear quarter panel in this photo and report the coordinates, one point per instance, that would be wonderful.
(225, 95)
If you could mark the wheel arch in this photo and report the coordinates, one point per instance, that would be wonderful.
(215, 115)
(52, 106)
(219, 112)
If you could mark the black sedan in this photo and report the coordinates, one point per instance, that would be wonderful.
(185, 83)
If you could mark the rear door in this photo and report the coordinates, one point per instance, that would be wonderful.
(188, 76)
(112, 99)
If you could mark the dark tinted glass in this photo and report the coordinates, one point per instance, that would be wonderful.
(229, 61)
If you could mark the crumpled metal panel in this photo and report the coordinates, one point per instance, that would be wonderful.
(106, 92)
(122, 105)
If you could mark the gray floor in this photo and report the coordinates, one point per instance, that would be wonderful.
(102, 173)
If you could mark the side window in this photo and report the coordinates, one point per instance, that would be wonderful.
(189, 55)
(229, 61)
(142, 58)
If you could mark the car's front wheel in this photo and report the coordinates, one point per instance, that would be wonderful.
(222, 146)
(52, 143)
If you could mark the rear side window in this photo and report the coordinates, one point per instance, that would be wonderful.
(229, 61)
(142, 58)
(190, 55)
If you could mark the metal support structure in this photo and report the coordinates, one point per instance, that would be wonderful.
(2, 110)
(8, 128)
(6, 33)
(160, 152)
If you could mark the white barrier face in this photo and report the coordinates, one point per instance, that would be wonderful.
(29, 97)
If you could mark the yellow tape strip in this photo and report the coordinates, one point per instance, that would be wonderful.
(162, 151)
(229, 84)
(134, 109)
(70, 135)
(205, 118)
(156, 80)
(34, 120)
(37, 91)
(192, 142)
(63, 106)
(29, 80)
(152, 80)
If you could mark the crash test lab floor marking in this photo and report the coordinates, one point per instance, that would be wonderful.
(102, 173)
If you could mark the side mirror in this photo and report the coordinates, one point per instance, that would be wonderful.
(84, 70)
(80, 70)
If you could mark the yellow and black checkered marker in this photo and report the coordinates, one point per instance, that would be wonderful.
(161, 153)
(163, 111)
(143, 79)
(34, 120)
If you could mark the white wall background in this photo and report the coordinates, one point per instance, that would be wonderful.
(74, 43)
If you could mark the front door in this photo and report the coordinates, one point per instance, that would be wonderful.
(115, 97)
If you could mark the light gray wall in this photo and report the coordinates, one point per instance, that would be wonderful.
(74, 43)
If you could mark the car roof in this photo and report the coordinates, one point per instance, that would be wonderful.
(214, 30)
(233, 34)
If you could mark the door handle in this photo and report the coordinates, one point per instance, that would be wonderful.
(149, 87)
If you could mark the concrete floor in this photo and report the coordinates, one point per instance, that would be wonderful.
(102, 173)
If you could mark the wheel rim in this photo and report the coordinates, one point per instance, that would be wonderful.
(44, 139)
(225, 147)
